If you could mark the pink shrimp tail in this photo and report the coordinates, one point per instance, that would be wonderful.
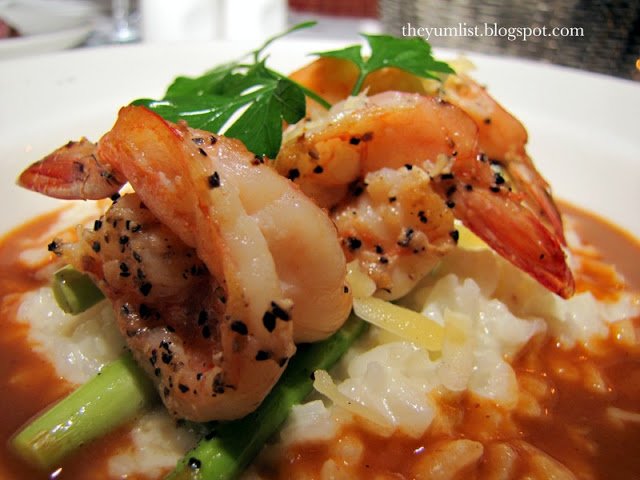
(72, 172)
(518, 235)
(531, 183)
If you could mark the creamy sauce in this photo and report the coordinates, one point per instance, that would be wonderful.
(573, 427)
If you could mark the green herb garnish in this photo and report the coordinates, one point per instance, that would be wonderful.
(410, 54)
(208, 102)
(268, 97)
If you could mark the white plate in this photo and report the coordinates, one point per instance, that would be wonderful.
(583, 128)
(45, 25)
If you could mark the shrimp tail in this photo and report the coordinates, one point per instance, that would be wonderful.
(516, 234)
(527, 179)
(72, 172)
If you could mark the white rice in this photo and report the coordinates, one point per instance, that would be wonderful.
(157, 446)
(77, 346)
(489, 310)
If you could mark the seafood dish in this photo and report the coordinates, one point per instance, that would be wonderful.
(351, 270)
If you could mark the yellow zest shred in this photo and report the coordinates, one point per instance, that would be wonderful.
(405, 323)
(361, 284)
(469, 240)
(323, 383)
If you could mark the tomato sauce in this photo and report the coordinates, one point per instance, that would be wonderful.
(573, 427)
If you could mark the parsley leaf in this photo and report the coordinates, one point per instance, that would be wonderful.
(283, 100)
(410, 54)
(210, 101)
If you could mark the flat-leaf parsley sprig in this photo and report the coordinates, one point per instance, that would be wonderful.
(268, 98)
(412, 54)
(209, 101)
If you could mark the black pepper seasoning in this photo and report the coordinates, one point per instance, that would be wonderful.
(145, 288)
(406, 240)
(269, 321)
(279, 312)
(166, 358)
(239, 327)
(262, 356)
(124, 270)
(213, 180)
(353, 243)
(145, 311)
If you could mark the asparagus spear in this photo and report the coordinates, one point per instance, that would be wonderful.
(74, 291)
(108, 400)
(228, 449)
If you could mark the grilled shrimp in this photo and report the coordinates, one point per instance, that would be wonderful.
(503, 139)
(215, 266)
(332, 159)
(397, 228)
(500, 135)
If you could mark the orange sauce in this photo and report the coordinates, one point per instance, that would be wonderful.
(28, 384)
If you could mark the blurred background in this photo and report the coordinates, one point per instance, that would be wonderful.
(606, 38)
(595, 35)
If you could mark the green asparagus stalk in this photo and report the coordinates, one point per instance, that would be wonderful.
(114, 396)
(230, 447)
(74, 291)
